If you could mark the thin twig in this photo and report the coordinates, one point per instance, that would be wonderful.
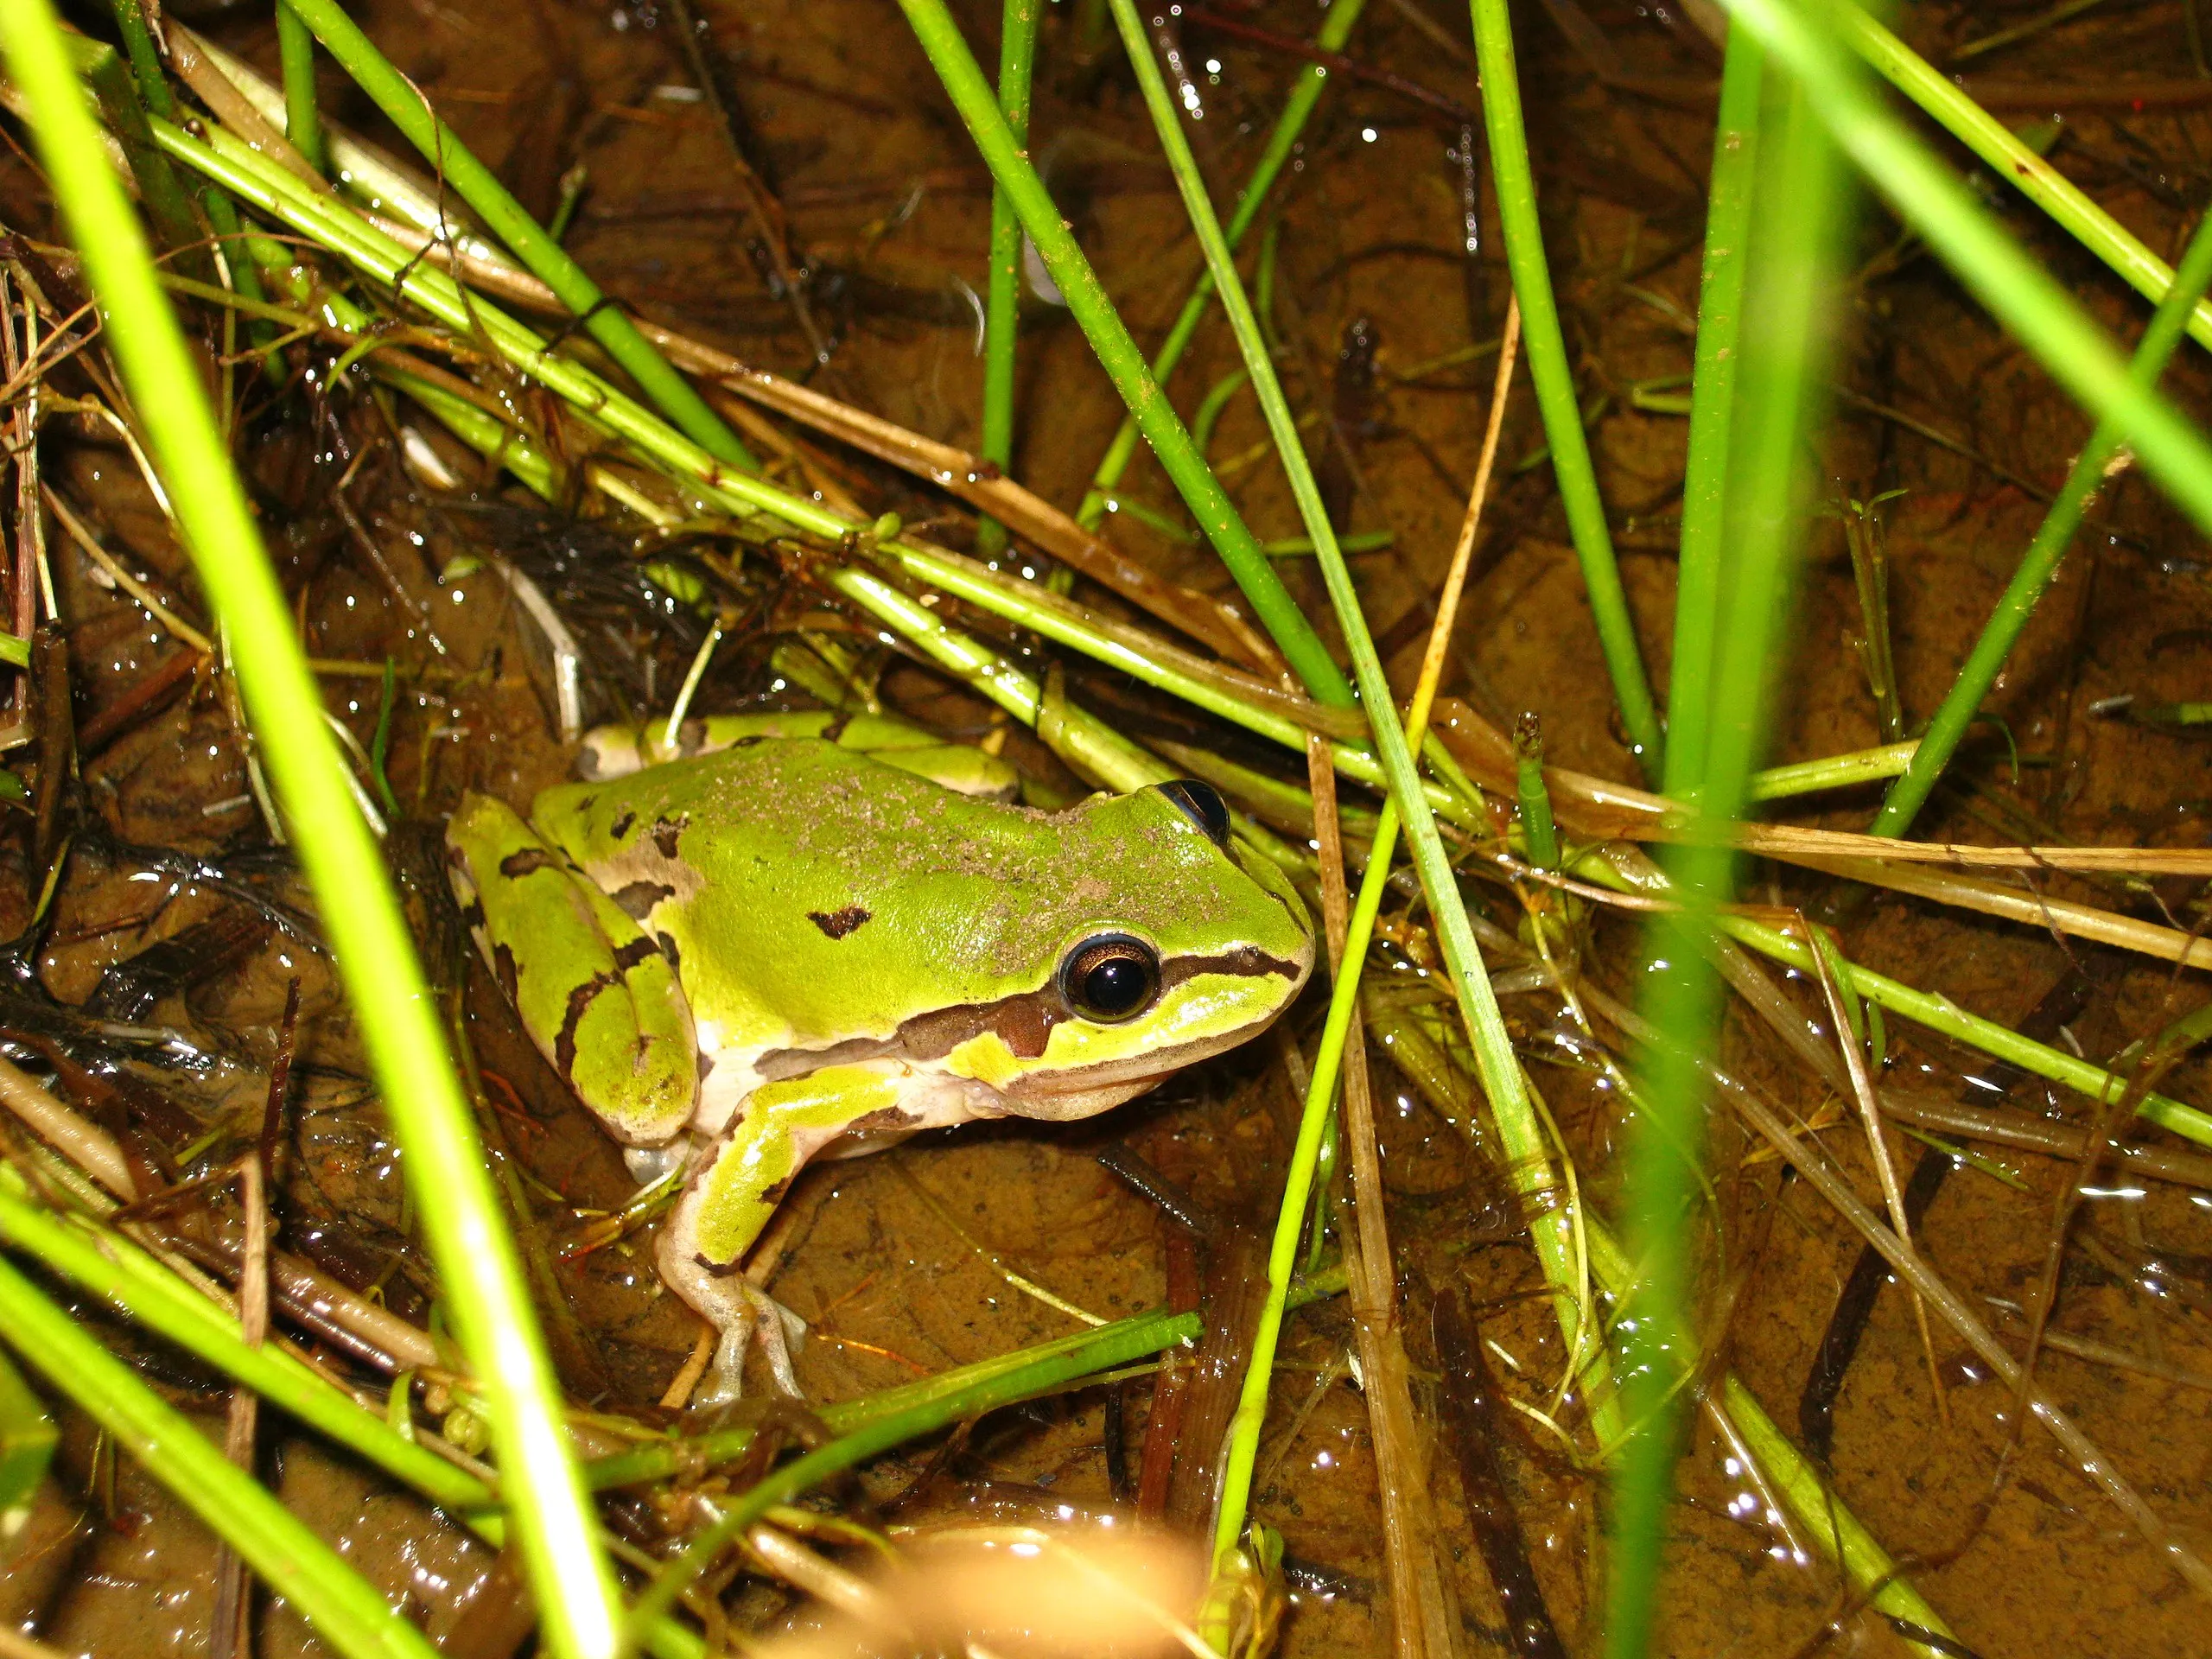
(1869, 1116)
(1423, 1621)
(129, 584)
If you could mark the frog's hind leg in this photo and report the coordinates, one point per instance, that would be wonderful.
(597, 997)
(616, 751)
(735, 1188)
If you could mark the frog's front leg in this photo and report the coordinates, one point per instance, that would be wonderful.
(735, 1188)
(596, 995)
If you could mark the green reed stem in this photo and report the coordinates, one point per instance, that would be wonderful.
(1538, 833)
(130, 1280)
(1088, 744)
(1408, 807)
(1820, 1512)
(1097, 1351)
(1118, 353)
(344, 233)
(955, 1391)
(1713, 403)
(1939, 1013)
(302, 109)
(1831, 772)
(1002, 304)
(341, 1605)
(2020, 294)
(1834, 1529)
(125, 1276)
(175, 230)
(145, 59)
(461, 1214)
(2039, 566)
(1796, 193)
(337, 227)
(1305, 93)
(27, 1438)
(2010, 160)
(602, 318)
(1551, 372)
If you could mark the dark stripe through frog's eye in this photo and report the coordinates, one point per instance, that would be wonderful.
(1110, 978)
(1205, 806)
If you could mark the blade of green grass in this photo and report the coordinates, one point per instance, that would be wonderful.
(600, 317)
(1094, 749)
(167, 206)
(459, 1211)
(980, 1388)
(1712, 401)
(1003, 301)
(1527, 1150)
(2010, 160)
(950, 1390)
(1553, 375)
(1939, 1013)
(2038, 567)
(129, 1280)
(27, 1438)
(222, 212)
(341, 1605)
(2023, 296)
(1820, 1512)
(1798, 210)
(1002, 305)
(1305, 93)
(302, 112)
(1118, 353)
(145, 59)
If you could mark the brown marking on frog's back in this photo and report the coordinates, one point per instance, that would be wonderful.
(636, 899)
(838, 924)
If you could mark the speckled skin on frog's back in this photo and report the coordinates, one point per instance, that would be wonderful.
(840, 886)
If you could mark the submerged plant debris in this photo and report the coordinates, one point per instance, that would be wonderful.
(787, 185)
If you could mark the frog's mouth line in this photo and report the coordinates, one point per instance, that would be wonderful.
(1024, 1023)
(1039, 1094)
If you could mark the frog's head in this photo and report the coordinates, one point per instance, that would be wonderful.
(1177, 943)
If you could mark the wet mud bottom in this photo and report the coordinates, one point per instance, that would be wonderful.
(1387, 331)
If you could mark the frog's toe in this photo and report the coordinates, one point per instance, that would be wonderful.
(780, 1333)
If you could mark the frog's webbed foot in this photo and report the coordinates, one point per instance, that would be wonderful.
(779, 1331)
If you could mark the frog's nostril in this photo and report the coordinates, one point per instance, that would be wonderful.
(1205, 806)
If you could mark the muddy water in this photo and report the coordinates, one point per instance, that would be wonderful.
(883, 196)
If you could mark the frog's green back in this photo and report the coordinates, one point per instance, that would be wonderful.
(814, 896)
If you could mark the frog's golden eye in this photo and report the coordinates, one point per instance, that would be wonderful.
(1110, 978)
(1203, 804)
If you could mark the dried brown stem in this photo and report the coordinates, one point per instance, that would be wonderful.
(1877, 1143)
(1598, 809)
(2031, 1133)
(1424, 1621)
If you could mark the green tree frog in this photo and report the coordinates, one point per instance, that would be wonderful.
(789, 934)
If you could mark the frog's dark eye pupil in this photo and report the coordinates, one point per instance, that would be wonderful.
(1204, 805)
(1112, 978)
